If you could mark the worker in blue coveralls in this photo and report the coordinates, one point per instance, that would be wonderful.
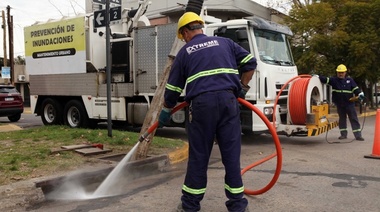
(343, 88)
(209, 67)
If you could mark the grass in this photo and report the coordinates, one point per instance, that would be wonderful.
(27, 154)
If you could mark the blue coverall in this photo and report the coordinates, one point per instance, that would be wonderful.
(208, 66)
(342, 91)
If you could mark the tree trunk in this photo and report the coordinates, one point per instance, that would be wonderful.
(158, 100)
(156, 104)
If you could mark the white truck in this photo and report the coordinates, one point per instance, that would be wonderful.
(66, 63)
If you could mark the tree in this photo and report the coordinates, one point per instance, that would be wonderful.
(20, 60)
(332, 32)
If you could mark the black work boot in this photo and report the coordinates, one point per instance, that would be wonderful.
(342, 137)
(179, 208)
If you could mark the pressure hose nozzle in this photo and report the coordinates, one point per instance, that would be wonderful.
(144, 137)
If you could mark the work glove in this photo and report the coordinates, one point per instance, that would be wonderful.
(361, 96)
(164, 117)
(315, 75)
(243, 91)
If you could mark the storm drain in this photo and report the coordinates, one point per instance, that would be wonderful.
(90, 180)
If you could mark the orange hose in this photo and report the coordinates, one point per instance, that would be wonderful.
(272, 130)
(297, 101)
(278, 152)
(175, 109)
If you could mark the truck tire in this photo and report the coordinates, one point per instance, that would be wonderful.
(51, 113)
(14, 118)
(75, 115)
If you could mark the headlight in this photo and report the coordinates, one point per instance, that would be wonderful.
(268, 111)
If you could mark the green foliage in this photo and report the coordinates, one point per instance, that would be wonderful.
(337, 31)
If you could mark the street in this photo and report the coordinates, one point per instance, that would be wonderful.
(27, 120)
(317, 175)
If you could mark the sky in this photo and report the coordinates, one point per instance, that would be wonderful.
(27, 12)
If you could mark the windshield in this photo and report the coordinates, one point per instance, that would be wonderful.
(273, 48)
(7, 89)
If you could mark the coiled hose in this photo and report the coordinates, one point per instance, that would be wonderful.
(272, 130)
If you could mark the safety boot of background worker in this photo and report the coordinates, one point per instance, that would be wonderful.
(360, 138)
(342, 137)
(179, 208)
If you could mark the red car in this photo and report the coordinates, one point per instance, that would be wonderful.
(11, 103)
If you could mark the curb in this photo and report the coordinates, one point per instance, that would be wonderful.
(366, 114)
(372, 113)
(27, 110)
(9, 127)
(146, 167)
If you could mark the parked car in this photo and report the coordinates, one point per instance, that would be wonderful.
(11, 103)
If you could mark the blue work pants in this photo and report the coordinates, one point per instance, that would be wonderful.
(214, 115)
(350, 112)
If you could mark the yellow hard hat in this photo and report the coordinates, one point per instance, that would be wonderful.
(341, 68)
(185, 19)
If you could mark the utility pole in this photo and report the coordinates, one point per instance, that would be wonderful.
(10, 33)
(5, 63)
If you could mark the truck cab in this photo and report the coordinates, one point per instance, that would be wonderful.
(268, 42)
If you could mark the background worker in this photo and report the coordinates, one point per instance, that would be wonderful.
(343, 88)
(208, 66)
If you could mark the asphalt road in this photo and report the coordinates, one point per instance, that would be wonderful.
(27, 120)
(317, 175)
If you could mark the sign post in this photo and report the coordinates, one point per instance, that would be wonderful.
(108, 69)
(114, 14)
(103, 18)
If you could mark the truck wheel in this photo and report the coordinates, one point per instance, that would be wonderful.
(75, 115)
(15, 117)
(51, 112)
